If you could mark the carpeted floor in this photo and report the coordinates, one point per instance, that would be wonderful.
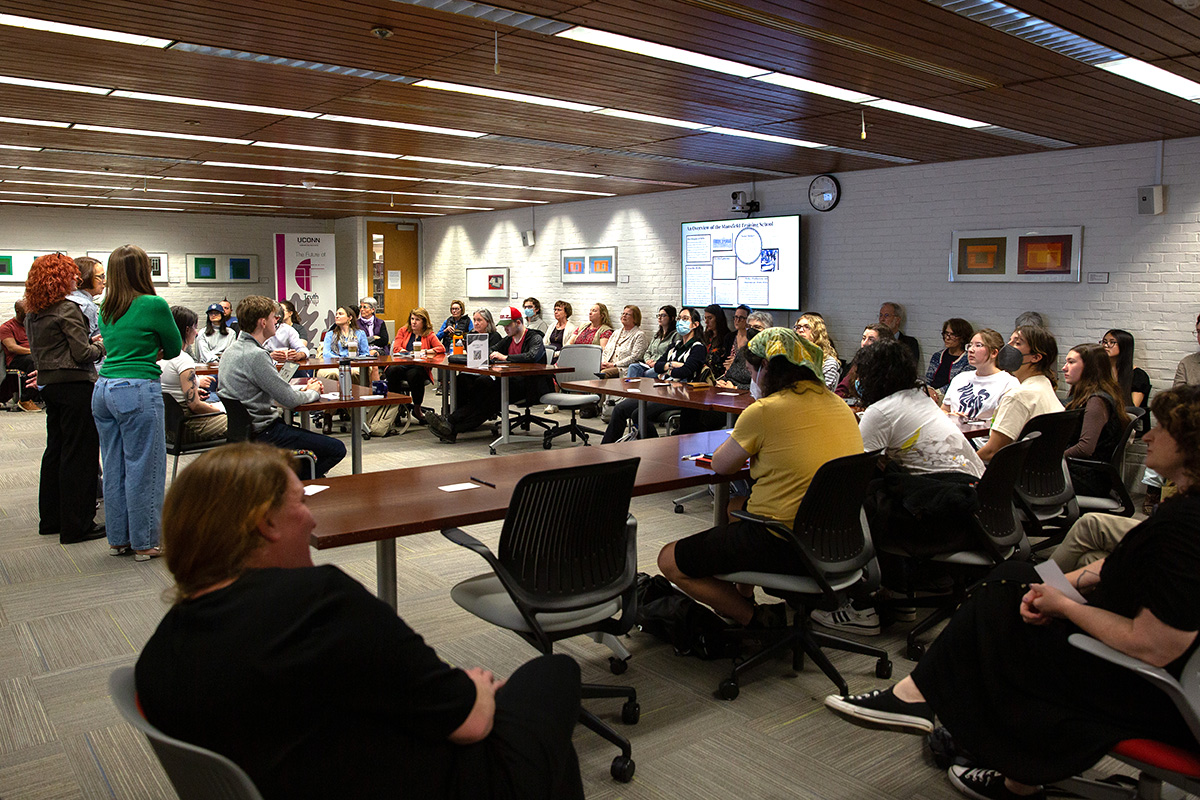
(69, 615)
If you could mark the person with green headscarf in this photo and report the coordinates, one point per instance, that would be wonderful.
(796, 426)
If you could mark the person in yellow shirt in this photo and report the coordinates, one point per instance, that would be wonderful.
(795, 427)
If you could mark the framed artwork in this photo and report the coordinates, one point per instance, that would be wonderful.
(489, 282)
(589, 265)
(220, 268)
(1047, 255)
(158, 264)
(15, 264)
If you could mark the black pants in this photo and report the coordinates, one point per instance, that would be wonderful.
(415, 378)
(71, 463)
(529, 754)
(328, 450)
(23, 363)
(478, 401)
(626, 410)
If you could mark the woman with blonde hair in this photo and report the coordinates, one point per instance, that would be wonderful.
(65, 358)
(419, 330)
(598, 329)
(127, 403)
(249, 603)
(976, 393)
(625, 346)
(812, 327)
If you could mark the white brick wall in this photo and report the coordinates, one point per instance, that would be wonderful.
(889, 238)
(77, 231)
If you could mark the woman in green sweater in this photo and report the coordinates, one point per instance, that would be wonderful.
(127, 403)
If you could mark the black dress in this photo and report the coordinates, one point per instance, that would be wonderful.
(1022, 700)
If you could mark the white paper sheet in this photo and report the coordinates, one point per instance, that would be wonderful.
(1052, 575)
(458, 487)
(313, 488)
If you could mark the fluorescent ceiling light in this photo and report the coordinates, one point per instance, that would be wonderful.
(926, 113)
(457, 208)
(136, 208)
(314, 149)
(270, 167)
(812, 87)
(409, 213)
(94, 172)
(660, 51)
(1154, 77)
(325, 189)
(500, 94)
(514, 186)
(19, 147)
(381, 177)
(451, 161)
(545, 171)
(186, 191)
(67, 185)
(55, 85)
(41, 123)
(766, 137)
(195, 101)
(458, 197)
(44, 203)
(162, 134)
(79, 30)
(404, 126)
(234, 183)
(634, 115)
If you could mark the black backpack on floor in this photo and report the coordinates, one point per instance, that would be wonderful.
(691, 628)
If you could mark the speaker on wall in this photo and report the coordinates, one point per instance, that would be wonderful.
(527, 238)
(1150, 199)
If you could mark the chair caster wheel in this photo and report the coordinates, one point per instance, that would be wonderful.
(729, 689)
(915, 651)
(678, 508)
(492, 450)
(618, 666)
(631, 712)
(547, 444)
(366, 436)
(883, 668)
(622, 769)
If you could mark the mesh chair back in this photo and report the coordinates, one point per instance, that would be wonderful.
(997, 516)
(830, 523)
(583, 359)
(566, 533)
(1044, 481)
(1135, 419)
(238, 427)
(196, 773)
(173, 415)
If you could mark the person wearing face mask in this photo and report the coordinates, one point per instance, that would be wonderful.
(531, 307)
(796, 426)
(975, 393)
(683, 362)
(664, 339)
(1030, 356)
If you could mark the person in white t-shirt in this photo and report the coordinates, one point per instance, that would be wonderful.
(976, 394)
(179, 380)
(1030, 355)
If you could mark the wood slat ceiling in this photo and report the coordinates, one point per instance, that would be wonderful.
(906, 50)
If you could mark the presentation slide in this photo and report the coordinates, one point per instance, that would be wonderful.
(735, 261)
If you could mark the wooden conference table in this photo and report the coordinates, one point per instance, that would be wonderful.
(674, 393)
(381, 506)
(362, 398)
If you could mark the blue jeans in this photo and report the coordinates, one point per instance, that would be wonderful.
(328, 450)
(638, 369)
(129, 419)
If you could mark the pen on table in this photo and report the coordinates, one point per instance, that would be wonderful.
(692, 457)
(485, 483)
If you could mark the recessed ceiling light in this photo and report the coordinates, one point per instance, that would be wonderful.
(53, 85)
(404, 126)
(634, 115)
(269, 167)
(660, 51)
(41, 123)
(500, 94)
(191, 137)
(314, 149)
(766, 137)
(80, 30)
(1154, 77)
(813, 87)
(926, 113)
(194, 101)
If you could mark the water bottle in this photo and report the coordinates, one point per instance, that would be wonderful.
(344, 378)
(458, 348)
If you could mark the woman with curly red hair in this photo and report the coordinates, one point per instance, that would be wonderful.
(66, 371)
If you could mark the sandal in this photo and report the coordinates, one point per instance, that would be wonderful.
(118, 550)
(153, 552)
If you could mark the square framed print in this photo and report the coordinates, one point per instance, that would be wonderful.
(589, 265)
(221, 268)
(159, 273)
(1044, 255)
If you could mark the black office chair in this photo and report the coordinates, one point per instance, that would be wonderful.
(196, 773)
(239, 429)
(831, 536)
(1117, 501)
(15, 377)
(584, 361)
(997, 536)
(567, 566)
(1045, 496)
(176, 421)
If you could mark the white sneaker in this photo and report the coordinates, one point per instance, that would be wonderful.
(848, 619)
(550, 410)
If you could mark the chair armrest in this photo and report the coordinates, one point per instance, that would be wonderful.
(772, 524)
(464, 539)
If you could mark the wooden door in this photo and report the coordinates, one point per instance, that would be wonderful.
(394, 252)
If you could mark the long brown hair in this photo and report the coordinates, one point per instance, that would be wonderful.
(206, 542)
(128, 277)
(1097, 377)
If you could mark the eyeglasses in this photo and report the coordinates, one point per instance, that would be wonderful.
(742, 317)
(803, 326)
(1109, 342)
(950, 335)
(663, 316)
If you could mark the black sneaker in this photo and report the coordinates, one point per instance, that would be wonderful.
(882, 709)
(441, 427)
(986, 784)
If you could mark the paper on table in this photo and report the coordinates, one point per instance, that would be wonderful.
(371, 397)
(331, 396)
(458, 487)
(727, 394)
(633, 390)
(313, 488)
(1053, 575)
(662, 383)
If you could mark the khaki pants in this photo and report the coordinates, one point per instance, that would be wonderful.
(1090, 539)
(202, 429)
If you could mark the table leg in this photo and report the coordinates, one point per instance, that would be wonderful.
(641, 418)
(720, 504)
(504, 437)
(364, 376)
(306, 420)
(451, 378)
(356, 419)
(385, 571)
(728, 419)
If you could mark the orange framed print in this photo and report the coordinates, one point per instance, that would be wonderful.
(589, 265)
(1042, 255)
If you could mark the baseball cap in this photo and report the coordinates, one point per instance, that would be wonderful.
(510, 316)
(215, 307)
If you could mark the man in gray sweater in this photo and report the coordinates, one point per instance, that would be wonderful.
(248, 375)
